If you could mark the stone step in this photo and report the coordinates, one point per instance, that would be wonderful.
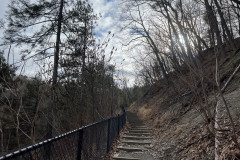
(125, 158)
(135, 142)
(130, 149)
(137, 134)
(138, 131)
(149, 130)
(132, 125)
(139, 128)
(137, 125)
(136, 137)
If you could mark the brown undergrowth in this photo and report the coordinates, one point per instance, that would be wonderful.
(180, 130)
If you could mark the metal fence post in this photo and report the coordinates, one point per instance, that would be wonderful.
(118, 124)
(108, 135)
(125, 118)
(56, 147)
(48, 150)
(80, 140)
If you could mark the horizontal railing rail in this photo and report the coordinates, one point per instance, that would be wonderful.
(88, 142)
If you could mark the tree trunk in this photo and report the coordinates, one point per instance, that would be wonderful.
(224, 125)
(55, 73)
(214, 26)
(156, 52)
(224, 25)
(2, 137)
(183, 51)
(185, 37)
(154, 48)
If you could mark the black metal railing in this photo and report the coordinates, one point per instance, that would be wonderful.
(90, 142)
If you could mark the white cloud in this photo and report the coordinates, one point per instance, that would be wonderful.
(3, 8)
(108, 11)
(109, 21)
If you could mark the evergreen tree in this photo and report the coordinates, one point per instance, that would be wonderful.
(37, 25)
(6, 72)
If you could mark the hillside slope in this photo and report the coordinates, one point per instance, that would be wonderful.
(180, 130)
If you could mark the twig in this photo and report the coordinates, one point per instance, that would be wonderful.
(234, 137)
(230, 78)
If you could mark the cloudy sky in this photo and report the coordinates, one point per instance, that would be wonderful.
(110, 11)
(109, 21)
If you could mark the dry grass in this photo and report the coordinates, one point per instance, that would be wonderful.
(145, 113)
(160, 121)
(179, 129)
(118, 111)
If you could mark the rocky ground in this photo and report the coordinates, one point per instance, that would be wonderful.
(179, 130)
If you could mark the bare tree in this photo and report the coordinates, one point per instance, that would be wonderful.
(141, 31)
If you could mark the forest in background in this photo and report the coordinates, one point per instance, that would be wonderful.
(189, 54)
(173, 37)
(172, 33)
(76, 83)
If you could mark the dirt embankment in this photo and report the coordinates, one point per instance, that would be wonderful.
(180, 131)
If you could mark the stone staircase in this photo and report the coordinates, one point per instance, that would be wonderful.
(136, 142)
